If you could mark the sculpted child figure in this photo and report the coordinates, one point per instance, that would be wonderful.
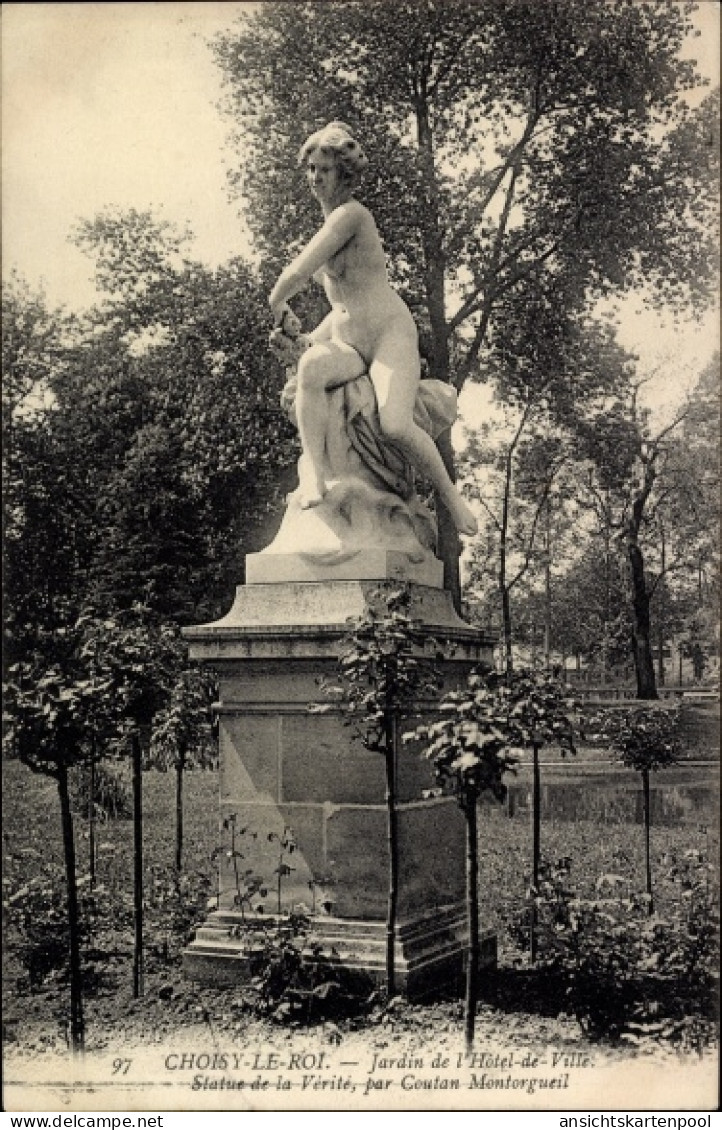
(369, 329)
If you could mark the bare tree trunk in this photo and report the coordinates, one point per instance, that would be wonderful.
(179, 771)
(506, 629)
(641, 632)
(647, 824)
(77, 1022)
(472, 910)
(661, 615)
(535, 848)
(393, 845)
(138, 985)
(700, 583)
(448, 546)
(439, 359)
(92, 848)
(547, 587)
(660, 656)
(504, 587)
(607, 603)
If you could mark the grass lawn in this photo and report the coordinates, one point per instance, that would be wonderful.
(517, 1010)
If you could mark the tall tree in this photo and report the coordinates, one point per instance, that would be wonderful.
(513, 532)
(520, 149)
(56, 703)
(469, 747)
(685, 568)
(42, 482)
(141, 660)
(514, 467)
(590, 619)
(168, 396)
(184, 737)
(645, 738)
(629, 471)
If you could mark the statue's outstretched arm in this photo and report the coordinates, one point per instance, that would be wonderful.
(338, 229)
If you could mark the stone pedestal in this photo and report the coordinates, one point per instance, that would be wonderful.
(284, 767)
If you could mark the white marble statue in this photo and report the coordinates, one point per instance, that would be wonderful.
(366, 419)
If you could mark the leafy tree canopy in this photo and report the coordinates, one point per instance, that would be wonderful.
(522, 153)
(155, 455)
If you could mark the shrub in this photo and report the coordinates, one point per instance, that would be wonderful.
(628, 974)
(688, 939)
(111, 792)
(289, 976)
(174, 904)
(294, 979)
(35, 924)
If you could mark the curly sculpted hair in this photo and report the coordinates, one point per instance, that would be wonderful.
(336, 140)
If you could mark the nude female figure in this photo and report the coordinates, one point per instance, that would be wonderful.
(369, 328)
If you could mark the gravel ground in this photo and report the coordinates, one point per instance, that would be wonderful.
(187, 1048)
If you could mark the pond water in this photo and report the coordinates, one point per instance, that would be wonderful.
(590, 786)
(679, 795)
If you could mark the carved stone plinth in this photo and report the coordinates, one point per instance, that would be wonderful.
(359, 531)
(364, 565)
(429, 949)
(284, 767)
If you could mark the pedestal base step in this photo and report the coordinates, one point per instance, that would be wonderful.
(429, 952)
(365, 565)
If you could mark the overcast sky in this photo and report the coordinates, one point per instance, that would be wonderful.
(115, 104)
(110, 104)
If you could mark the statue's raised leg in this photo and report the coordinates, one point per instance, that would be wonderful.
(369, 517)
(323, 365)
